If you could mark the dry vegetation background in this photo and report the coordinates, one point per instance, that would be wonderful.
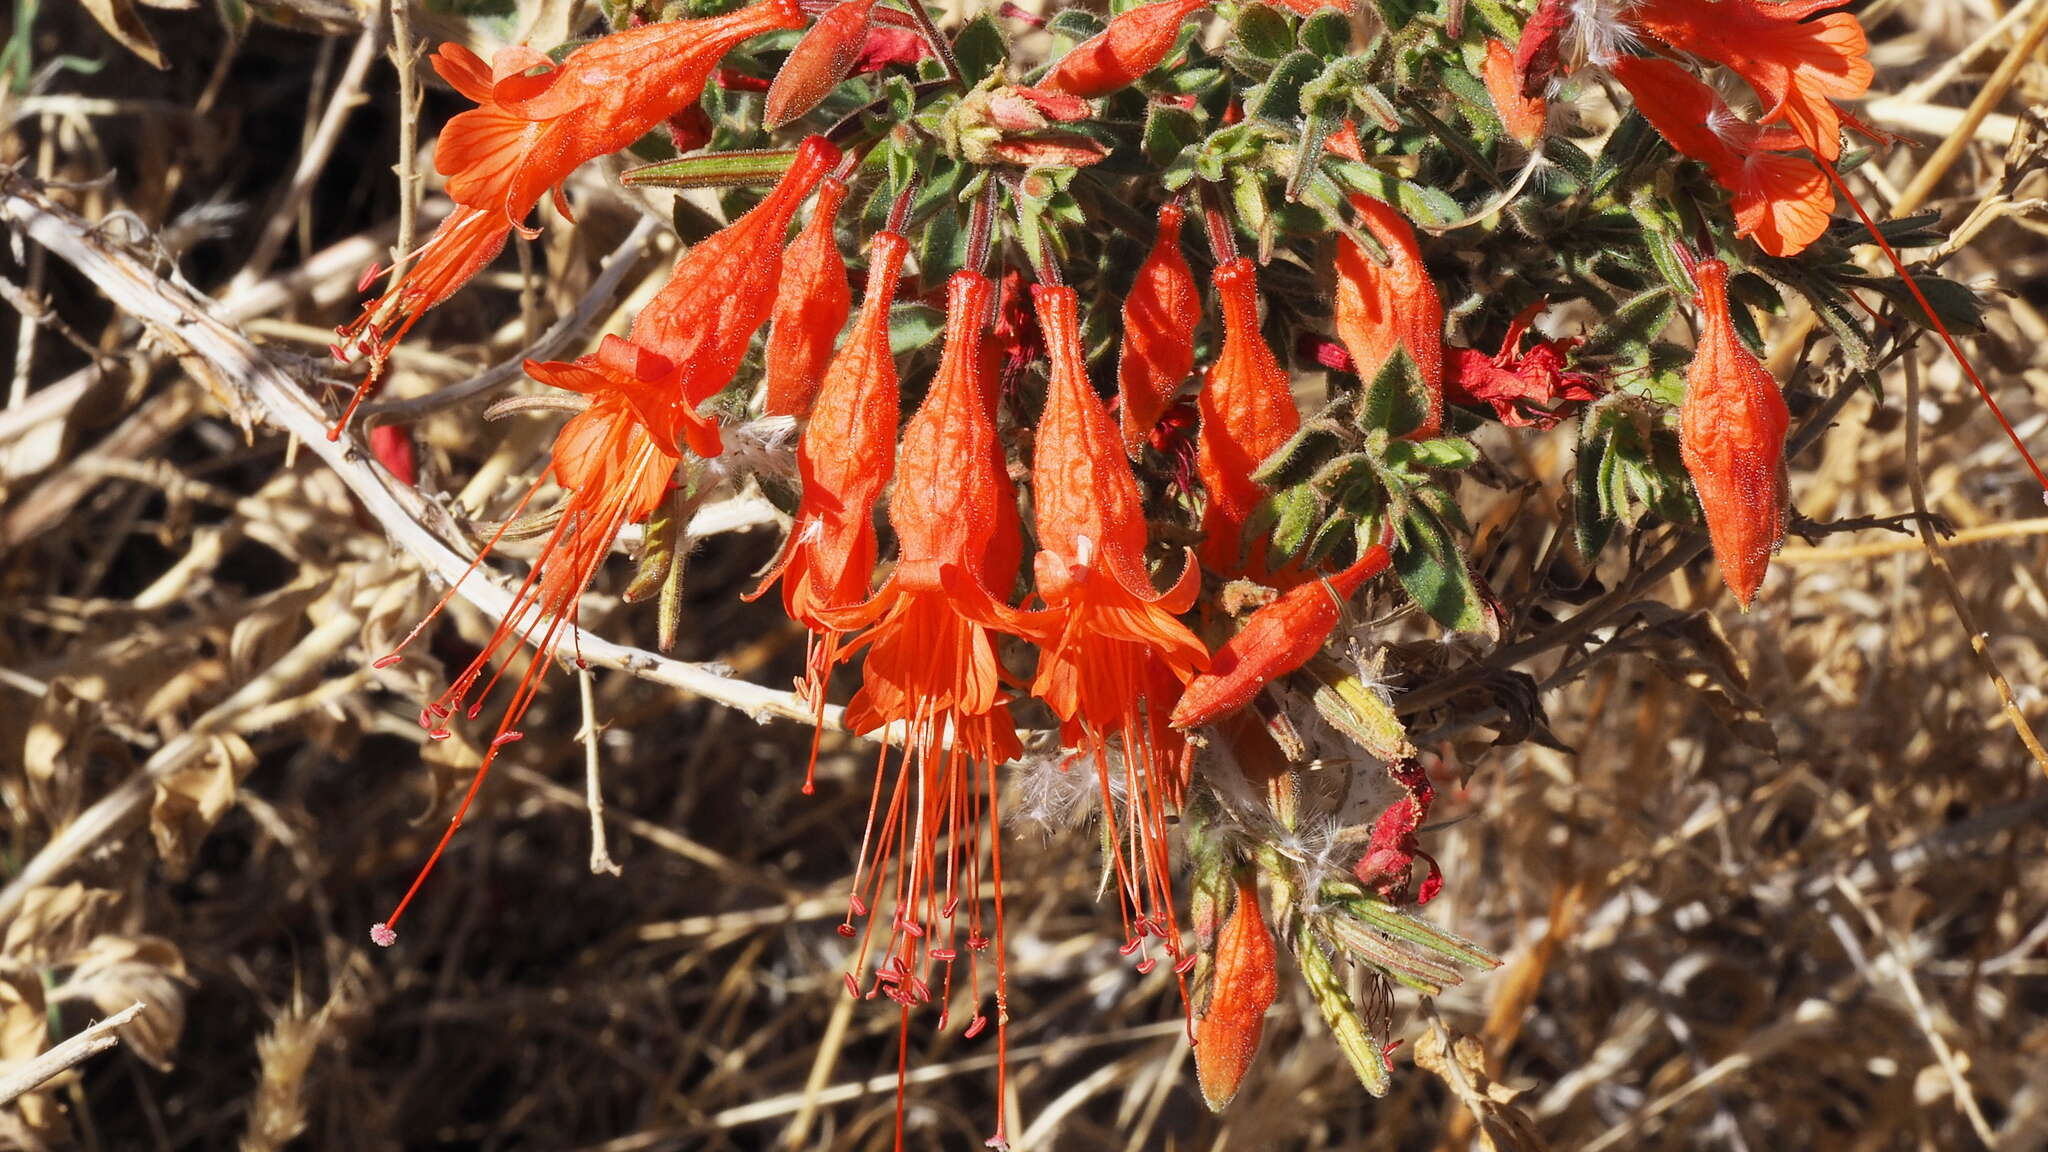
(1808, 911)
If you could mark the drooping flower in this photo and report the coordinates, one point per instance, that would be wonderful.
(1382, 309)
(811, 304)
(528, 132)
(1113, 657)
(1278, 638)
(1523, 116)
(1241, 989)
(1799, 66)
(1525, 389)
(1133, 44)
(1248, 412)
(931, 668)
(1539, 54)
(845, 459)
(724, 287)
(1731, 433)
(1782, 201)
(1393, 851)
(614, 460)
(821, 59)
(1158, 348)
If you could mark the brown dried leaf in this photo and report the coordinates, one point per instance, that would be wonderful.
(116, 971)
(1693, 650)
(24, 1019)
(55, 923)
(119, 19)
(1460, 1063)
(191, 799)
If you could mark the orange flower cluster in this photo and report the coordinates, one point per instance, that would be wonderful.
(950, 646)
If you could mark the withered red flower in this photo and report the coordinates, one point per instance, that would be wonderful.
(1525, 389)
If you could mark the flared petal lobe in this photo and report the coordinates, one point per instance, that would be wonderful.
(1799, 66)
(1781, 201)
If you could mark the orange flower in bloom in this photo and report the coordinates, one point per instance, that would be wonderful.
(1800, 66)
(1731, 432)
(1132, 45)
(845, 459)
(1277, 639)
(528, 133)
(932, 669)
(1113, 655)
(824, 57)
(1382, 309)
(1781, 201)
(1158, 349)
(723, 289)
(615, 464)
(810, 308)
(1523, 116)
(1243, 987)
(1248, 412)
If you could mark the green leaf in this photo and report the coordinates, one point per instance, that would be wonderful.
(913, 326)
(1625, 336)
(1592, 524)
(980, 48)
(1368, 1059)
(1279, 98)
(713, 170)
(1168, 132)
(1397, 400)
(1261, 33)
(1327, 33)
(1447, 452)
(1432, 569)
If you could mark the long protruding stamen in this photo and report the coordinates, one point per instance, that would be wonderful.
(1941, 329)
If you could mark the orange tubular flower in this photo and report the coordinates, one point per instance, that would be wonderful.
(845, 459)
(1524, 116)
(932, 668)
(1132, 45)
(824, 57)
(1382, 309)
(810, 308)
(1248, 412)
(1731, 432)
(528, 133)
(1801, 67)
(1114, 656)
(1158, 350)
(1244, 986)
(615, 460)
(1276, 640)
(1781, 201)
(724, 287)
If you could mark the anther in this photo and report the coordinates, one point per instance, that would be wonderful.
(383, 935)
